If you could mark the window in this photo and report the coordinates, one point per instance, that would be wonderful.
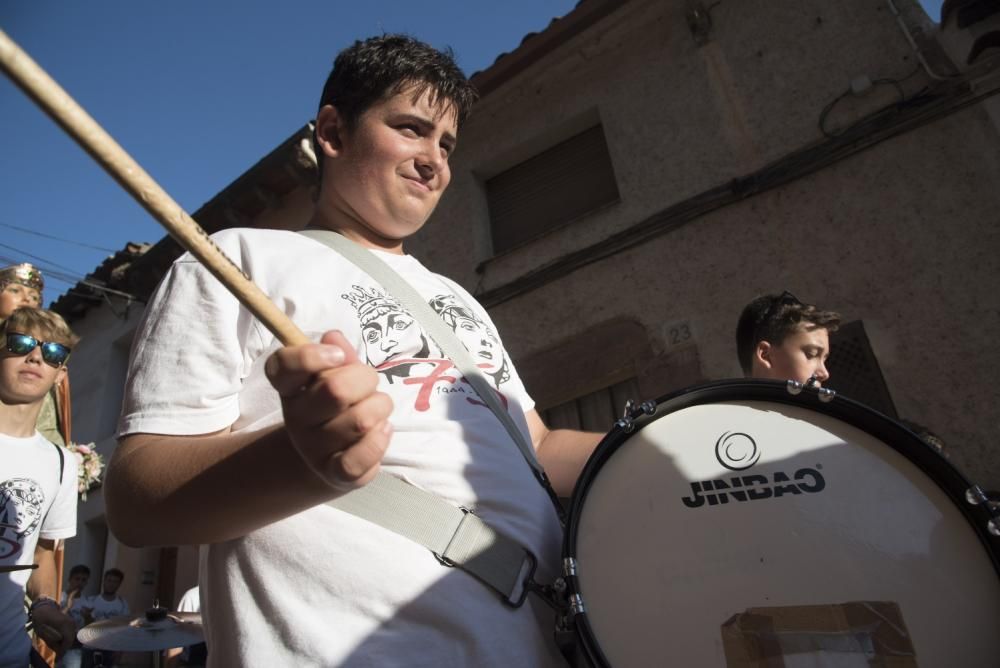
(561, 184)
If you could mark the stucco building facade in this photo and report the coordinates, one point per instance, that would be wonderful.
(693, 157)
(744, 163)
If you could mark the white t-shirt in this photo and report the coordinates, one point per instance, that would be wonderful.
(101, 608)
(33, 504)
(190, 601)
(323, 587)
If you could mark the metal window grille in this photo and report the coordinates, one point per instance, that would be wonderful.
(854, 370)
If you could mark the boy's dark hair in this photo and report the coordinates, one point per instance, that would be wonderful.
(114, 571)
(773, 317)
(377, 68)
(79, 568)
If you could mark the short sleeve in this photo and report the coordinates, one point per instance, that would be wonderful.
(187, 358)
(190, 601)
(60, 521)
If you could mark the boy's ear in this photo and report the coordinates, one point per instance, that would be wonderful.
(762, 354)
(329, 130)
(60, 374)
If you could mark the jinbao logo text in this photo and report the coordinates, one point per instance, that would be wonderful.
(738, 451)
(754, 487)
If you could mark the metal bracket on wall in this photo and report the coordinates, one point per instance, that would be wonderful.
(699, 20)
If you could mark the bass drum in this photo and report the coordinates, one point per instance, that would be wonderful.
(742, 525)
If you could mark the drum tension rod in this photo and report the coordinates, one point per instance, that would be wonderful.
(633, 412)
(977, 496)
(795, 388)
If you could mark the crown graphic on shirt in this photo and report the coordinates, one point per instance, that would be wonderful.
(371, 303)
(450, 305)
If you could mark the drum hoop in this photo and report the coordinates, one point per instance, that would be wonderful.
(941, 472)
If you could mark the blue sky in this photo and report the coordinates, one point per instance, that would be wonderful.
(933, 8)
(196, 92)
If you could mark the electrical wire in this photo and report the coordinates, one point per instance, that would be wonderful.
(916, 49)
(42, 262)
(48, 273)
(60, 273)
(73, 281)
(926, 106)
(55, 238)
(886, 81)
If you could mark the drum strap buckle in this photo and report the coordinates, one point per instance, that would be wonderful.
(498, 562)
(455, 535)
(502, 564)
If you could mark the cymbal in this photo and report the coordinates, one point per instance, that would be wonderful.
(156, 630)
(13, 567)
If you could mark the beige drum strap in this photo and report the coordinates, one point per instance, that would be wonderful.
(455, 535)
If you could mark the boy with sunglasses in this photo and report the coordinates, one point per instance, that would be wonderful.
(780, 338)
(23, 285)
(230, 441)
(37, 483)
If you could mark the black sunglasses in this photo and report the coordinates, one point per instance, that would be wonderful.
(53, 354)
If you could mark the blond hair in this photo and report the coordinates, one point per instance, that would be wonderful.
(47, 325)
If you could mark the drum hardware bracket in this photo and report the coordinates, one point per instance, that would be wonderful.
(566, 640)
(977, 496)
(825, 394)
(554, 595)
(632, 412)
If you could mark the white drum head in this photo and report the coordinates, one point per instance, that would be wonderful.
(818, 513)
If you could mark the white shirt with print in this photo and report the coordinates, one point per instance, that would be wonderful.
(101, 608)
(33, 504)
(322, 587)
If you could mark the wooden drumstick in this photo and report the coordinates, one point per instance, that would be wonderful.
(57, 103)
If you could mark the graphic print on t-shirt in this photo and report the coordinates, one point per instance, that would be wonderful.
(399, 348)
(21, 504)
(476, 335)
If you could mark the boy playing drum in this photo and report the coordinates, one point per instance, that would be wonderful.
(230, 441)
